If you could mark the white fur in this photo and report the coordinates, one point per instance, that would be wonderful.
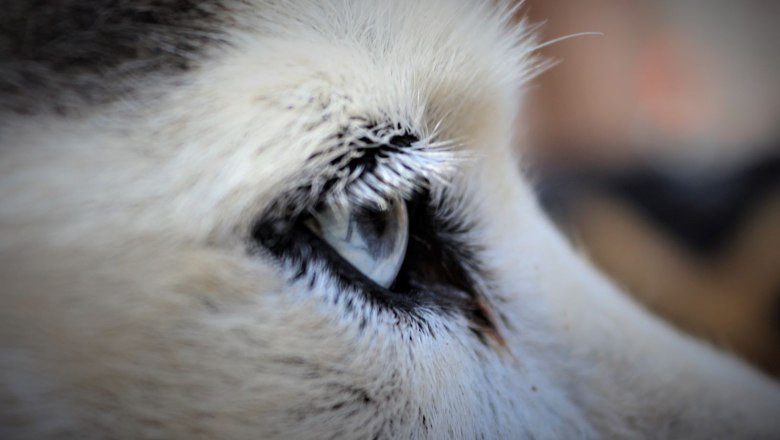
(131, 309)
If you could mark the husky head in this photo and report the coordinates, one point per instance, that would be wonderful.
(303, 219)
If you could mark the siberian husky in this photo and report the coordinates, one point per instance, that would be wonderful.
(251, 219)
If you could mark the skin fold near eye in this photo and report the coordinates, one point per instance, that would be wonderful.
(373, 241)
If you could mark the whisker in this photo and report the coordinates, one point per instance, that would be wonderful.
(567, 37)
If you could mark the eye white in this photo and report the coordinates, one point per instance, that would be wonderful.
(372, 241)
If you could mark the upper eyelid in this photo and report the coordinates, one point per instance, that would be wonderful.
(367, 165)
(369, 170)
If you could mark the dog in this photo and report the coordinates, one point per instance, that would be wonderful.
(304, 219)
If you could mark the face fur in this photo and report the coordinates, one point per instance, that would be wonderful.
(258, 219)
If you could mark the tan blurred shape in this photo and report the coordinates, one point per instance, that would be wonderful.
(731, 299)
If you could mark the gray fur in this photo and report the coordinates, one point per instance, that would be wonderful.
(63, 55)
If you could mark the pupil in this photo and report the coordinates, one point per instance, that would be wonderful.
(374, 224)
(376, 230)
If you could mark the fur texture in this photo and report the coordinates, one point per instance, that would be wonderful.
(135, 303)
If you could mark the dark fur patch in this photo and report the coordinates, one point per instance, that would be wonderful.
(64, 54)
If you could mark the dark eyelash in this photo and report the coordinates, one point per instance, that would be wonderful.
(440, 271)
(436, 272)
(366, 164)
(332, 187)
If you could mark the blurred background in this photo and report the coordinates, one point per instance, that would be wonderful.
(656, 148)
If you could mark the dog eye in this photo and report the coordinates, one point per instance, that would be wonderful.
(373, 241)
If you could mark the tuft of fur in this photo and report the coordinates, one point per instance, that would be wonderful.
(132, 306)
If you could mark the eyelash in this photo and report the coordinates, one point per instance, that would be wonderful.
(436, 271)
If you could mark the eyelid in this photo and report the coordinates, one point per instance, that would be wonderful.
(374, 163)
(392, 163)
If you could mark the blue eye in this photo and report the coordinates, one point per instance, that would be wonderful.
(402, 254)
(373, 241)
